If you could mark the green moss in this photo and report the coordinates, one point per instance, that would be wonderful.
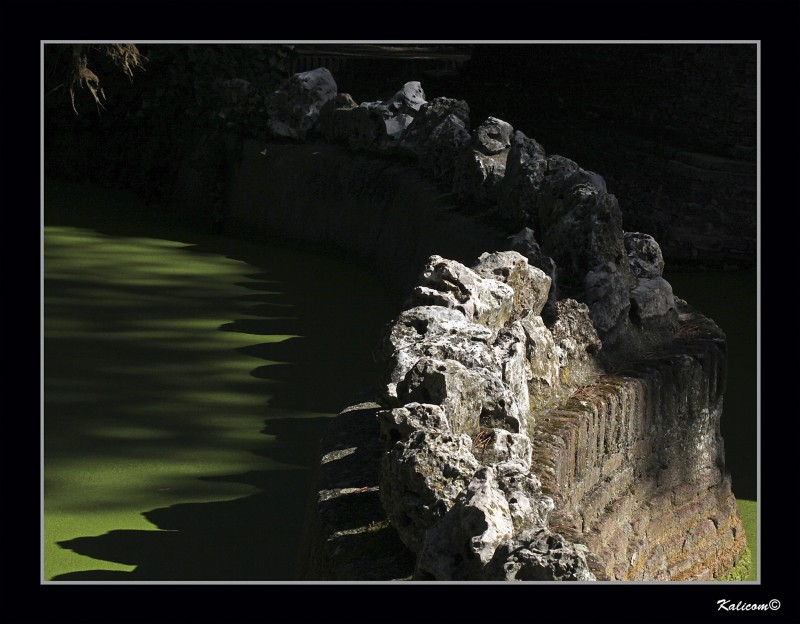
(746, 569)
(748, 511)
(741, 571)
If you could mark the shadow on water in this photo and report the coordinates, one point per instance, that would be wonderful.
(332, 315)
(251, 538)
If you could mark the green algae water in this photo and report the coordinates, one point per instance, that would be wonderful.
(187, 381)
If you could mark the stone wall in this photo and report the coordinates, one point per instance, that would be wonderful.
(672, 127)
(635, 463)
(549, 412)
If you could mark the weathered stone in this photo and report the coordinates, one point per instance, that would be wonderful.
(401, 422)
(452, 285)
(539, 555)
(525, 154)
(430, 323)
(436, 332)
(371, 125)
(607, 295)
(582, 227)
(476, 177)
(432, 114)
(559, 165)
(525, 243)
(438, 135)
(541, 351)
(397, 113)
(497, 446)
(293, 109)
(459, 390)
(531, 285)
(407, 101)
(644, 255)
(529, 508)
(544, 362)
(479, 170)
(459, 545)
(526, 165)
(493, 136)
(421, 476)
(500, 407)
(510, 349)
(650, 299)
(576, 341)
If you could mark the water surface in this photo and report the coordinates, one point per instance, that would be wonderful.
(187, 380)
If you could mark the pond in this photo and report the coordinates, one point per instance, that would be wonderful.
(187, 380)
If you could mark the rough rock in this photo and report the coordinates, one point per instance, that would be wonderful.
(402, 422)
(436, 332)
(644, 255)
(510, 349)
(493, 136)
(476, 177)
(500, 406)
(525, 243)
(471, 398)
(421, 476)
(531, 285)
(459, 545)
(526, 165)
(480, 169)
(608, 296)
(539, 555)
(560, 165)
(529, 507)
(458, 389)
(438, 134)
(576, 341)
(582, 226)
(545, 365)
(293, 109)
(650, 299)
(396, 114)
(450, 284)
(498, 446)
(371, 125)
(407, 101)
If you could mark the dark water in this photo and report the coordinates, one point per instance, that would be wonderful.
(730, 298)
(187, 381)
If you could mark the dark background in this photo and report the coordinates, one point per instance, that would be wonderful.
(671, 127)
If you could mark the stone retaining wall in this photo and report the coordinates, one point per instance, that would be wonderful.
(552, 412)
(635, 462)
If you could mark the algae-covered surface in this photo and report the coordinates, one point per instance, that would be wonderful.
(748, 510)
(187, 381)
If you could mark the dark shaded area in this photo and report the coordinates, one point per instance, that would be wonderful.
(251, 538)
(671, 127)
(350, 537)
(730, 300)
